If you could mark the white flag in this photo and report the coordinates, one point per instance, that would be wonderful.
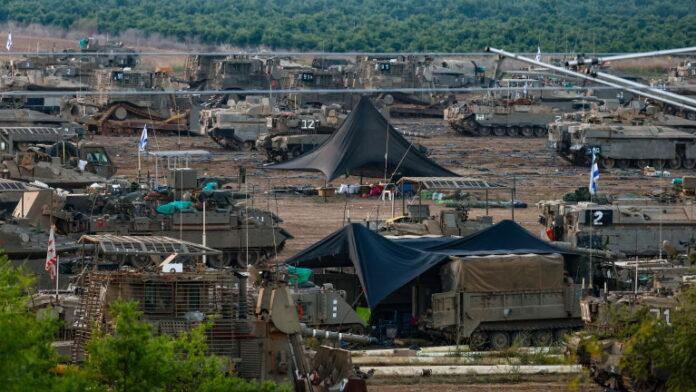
(594, 175)
(51, 257)
(142, 144)
(8, 44)
(538, 55)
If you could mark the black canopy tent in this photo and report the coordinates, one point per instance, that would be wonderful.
(382, 266)
(361, 146)
(385, 265)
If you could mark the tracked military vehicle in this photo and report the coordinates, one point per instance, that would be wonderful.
(306, 78)
(454, 221)
(238, 126)
(127, 114)
(513, 114)
(236, 72)
(40, 147)
(291, 134)
(625, 227)
(492, 301)
(624, 146)
(245, 235)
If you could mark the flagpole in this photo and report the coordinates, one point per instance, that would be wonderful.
(57, 272)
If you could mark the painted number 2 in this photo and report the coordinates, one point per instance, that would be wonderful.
(598, 215)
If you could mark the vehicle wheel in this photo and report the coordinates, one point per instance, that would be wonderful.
(543, 338)
(689, 163)
(522, 339)
(527, 131)
(120, 113)
(513, 132)
(219, 261)
(296, 152)
(623, 163)
(675, 163)
(641, 163)
(500, 340)
(691, 115)
(659, 164)
(242, 259)
(478, 340)
(248, 146)
(484, 131)
(540, 131)
(607, 163)
(499, 131)
(560, 334)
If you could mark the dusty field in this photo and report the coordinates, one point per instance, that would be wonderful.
(536, 173)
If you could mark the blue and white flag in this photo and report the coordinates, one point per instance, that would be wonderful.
(594, 175)
(142, 144)
(538, 55)
(9, 43)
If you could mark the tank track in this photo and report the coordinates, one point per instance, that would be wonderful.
(469, 127)
(515, 326)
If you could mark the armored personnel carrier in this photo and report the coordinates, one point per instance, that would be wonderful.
(292, 133)
(626, 227)
(624, 145)
(238, 126)
(450, 222)
(127, 114)
(492, 301)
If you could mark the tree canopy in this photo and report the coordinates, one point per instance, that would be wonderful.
(384, 25)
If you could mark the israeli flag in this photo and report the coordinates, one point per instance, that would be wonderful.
(594, 175)
(8, 44)
(538, 55)
(142, 144)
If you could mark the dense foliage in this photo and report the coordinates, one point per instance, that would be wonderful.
(129, 359)
(384, 25)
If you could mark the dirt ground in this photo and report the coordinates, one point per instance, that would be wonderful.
(536, 173)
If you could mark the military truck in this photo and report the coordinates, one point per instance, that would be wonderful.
(127, 114)
(624, 145)
(292, 133)
(492, 301)
(325, 307)
(238, 126)
(629, 227)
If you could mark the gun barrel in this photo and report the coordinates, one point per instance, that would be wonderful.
(338, 336)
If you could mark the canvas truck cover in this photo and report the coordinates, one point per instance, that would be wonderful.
(503, 273)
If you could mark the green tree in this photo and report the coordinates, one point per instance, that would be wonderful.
(27, 359)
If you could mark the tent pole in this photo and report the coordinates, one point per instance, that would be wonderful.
(486, 202)
(403, 200)
(512, 199)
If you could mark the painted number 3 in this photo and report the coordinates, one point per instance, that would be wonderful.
(598, 215)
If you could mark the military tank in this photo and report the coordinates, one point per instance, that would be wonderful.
(238, 126)
(513, 115)
(292, 133)
(307, 78)
(236, 72)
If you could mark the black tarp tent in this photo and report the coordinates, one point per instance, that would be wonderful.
(384, 265)
(505, 237)
(360, 147)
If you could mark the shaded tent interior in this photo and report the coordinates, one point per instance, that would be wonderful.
(383, 265)
(361, 146)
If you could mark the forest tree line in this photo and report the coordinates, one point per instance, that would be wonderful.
(383, 25)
